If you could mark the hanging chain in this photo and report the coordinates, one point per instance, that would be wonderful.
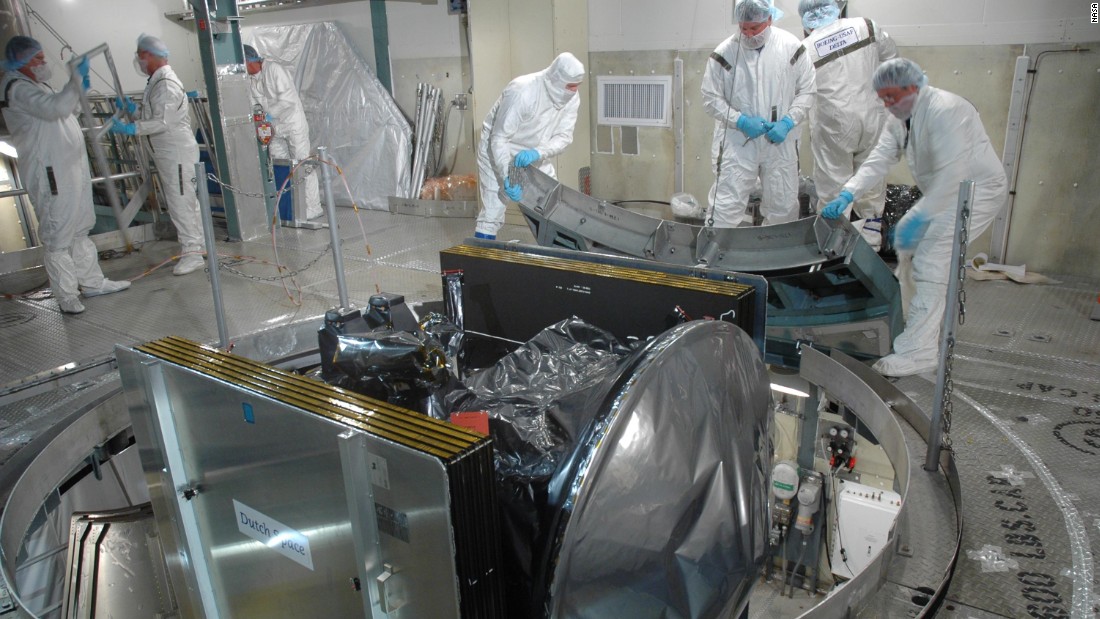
(964, 234)
(241, 192)
(281, 275)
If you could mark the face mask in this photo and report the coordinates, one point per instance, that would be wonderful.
(42, 73)
(139, 66)
(559, 95)
(903, 107)
(757, 41)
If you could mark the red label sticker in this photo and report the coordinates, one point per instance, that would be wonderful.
(478, 421)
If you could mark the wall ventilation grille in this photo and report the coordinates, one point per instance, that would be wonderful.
(638, 101)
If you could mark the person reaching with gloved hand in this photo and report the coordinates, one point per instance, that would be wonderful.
(164, 117)
(531, 122)
(54, 164)
(941, 136)
(847, 118)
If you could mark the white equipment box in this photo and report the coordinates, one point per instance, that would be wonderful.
(864, 523)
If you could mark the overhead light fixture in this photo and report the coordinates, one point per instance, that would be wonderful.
(786, 380)
(789, 391)
(8, 150)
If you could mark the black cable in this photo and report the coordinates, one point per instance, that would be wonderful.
(840, 536)
(618, 202)
(1027, 107)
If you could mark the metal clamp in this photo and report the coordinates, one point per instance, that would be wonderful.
(387, 597)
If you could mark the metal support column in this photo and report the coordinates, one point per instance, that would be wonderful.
(333, 227)
(211, 254)
(678, 124)
(953, 316)
(217, 48)
(381, 27)
(807, 439)
(1010, 158)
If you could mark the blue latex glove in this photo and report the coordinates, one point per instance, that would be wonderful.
(126, 104)
(269, 118)
(83, 68)
(123, 128)
(752, 126)
(835, 209)
(779, 130)
(515, 192)
(193, 94)
(525, 158)
(910, 230)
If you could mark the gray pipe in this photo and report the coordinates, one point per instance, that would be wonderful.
(211, 254)
(794, 572)
(333, 228)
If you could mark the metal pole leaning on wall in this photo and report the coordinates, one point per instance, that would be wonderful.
(333, 227)
(953, 316)
(211, 253)
(95, 134)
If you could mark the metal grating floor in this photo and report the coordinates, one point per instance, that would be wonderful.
(1027, 381)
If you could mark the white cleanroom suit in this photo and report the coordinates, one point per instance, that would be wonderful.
(274, 89)
(772, 82)
(944, 143)
(847, 117)
(165, 119)
(537, 112)
(53, 162)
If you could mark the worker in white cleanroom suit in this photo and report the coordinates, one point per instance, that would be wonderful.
(942, 138)
(273, 88)
(53, 162)
(758, 86)
(531, 122)
(847, 117)
(165, 119)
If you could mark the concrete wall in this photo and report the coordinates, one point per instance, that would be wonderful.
(1055, 224)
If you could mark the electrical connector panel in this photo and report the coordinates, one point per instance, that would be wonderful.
(840, 442)
(863, 525)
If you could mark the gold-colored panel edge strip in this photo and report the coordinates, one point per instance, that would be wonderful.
(602, 270)
(373, 426)
(328, 392)
(334, 396)
(403, 427)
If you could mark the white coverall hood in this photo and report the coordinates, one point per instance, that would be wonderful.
(274, 89)
(525, 116)
(565, 69)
